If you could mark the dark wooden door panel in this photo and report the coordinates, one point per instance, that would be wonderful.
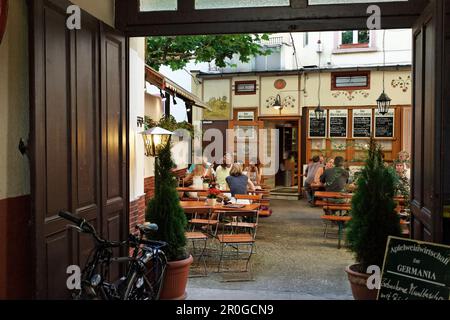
(114, 137)
(427, 164)
(50, 139)
(78, 139)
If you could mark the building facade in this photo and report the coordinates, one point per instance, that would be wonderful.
(344, 72)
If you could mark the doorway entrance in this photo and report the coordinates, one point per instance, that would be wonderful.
(106, 202)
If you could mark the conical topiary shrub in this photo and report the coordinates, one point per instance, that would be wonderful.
(373, 210)
(165, 210)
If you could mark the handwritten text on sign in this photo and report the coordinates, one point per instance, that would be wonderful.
(415, 270)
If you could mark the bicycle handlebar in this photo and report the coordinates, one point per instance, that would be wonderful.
(71, 217)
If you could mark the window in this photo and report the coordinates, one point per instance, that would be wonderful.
(245, 87)
(226, 4)
(350, 80)
(355, 39)
(158, 5)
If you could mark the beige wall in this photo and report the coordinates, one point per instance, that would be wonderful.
(357, 97)
(305, 94)
(289, 93)
(245, 100)
(137, 109)
(101, 9)
(14, 107)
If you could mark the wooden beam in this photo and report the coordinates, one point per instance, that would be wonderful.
(260, 27)
(272, 19)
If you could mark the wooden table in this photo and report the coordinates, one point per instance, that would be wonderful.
(199, 205)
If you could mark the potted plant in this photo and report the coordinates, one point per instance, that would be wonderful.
(211, 198)
(165, 210)
(373, 219)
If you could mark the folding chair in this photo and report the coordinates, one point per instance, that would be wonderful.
(201, 219)
(234, 235)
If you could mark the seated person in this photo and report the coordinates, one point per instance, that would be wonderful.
(238, 182)
(253, 171)
(223, 171)
(335, 179)
(195, 179)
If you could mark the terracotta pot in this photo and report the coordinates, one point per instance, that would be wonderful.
(175, 281)
(358, 283)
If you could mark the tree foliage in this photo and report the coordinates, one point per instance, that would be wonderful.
(373, 210)
(177, 51)
(165, 209)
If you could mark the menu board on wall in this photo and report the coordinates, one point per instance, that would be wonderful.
(415, 270)
(317, 128)
(338, 123)
(362, 123)
(384, 124)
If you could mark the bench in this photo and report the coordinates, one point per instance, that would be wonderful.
(340, 220)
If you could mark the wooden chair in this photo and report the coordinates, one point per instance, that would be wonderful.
(242, 224)
(205, 219)
(195, 237)
(229, 237)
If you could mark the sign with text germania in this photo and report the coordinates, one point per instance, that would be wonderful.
(415, 270)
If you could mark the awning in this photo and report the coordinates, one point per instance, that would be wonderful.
(162, 82)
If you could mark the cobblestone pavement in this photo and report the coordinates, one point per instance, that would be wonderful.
(293, 261)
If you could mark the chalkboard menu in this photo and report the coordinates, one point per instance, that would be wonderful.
(317, 128)
(362, 123)
(384, 124)
(338, 123)
(415, 270)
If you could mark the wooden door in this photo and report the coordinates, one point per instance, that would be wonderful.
(428, 143)
(78, 139)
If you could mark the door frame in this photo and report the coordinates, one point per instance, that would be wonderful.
(297, 119)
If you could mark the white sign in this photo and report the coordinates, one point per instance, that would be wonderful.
(246, 115)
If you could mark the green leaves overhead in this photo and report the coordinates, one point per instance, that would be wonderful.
(177, 51)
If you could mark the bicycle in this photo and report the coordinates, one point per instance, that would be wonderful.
(145, 272)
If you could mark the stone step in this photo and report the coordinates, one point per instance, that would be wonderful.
(284, 196)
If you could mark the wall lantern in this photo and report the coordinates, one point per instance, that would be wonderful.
(383, 102)
(319, 113)
(277, 104)
(154, 139)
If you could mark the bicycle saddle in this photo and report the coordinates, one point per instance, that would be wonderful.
(147, 228)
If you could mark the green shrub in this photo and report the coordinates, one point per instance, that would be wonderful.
(165, 210)
(373, 210)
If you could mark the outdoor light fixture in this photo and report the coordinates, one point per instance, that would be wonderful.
(383, 102)
(173, 99)
(154, 139)
(319, 113)
(277, 104)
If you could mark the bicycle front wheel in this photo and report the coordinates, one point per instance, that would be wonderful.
(146, 285)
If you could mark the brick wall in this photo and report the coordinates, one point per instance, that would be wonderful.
(137, 212)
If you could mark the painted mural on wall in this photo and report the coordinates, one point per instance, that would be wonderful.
(217, 97)
(220, 109)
